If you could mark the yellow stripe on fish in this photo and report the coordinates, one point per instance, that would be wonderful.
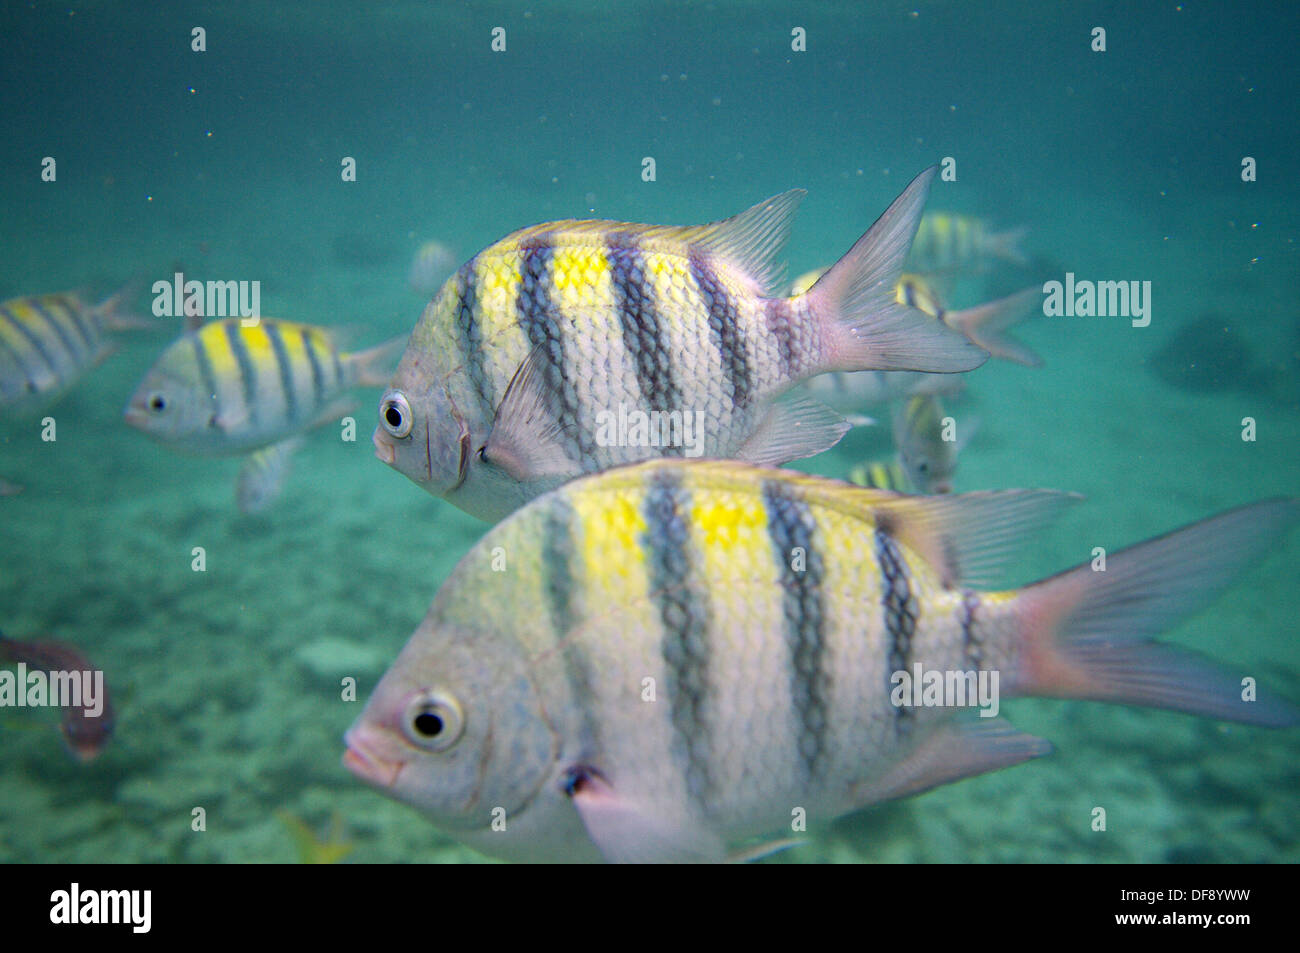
(949, 242)
(881, 475)
(658, 661)
(516, 367)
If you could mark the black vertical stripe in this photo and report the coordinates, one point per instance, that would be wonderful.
(540, 319)
(683, 612)
(247, 372)
(206, 375)
(76, 355)
(644, 335)
(32, 338)
(73, 307)
(909, 293)
(317, 374)
(779, 314)
(725, 327)
(339, 380)
(286, 370)
(18, 358)
(558, 583)
(790, 526)
(469, 334)
(972, 643)
(901, 610)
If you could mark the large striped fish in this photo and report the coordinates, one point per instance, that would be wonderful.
(662, 661)
(48, 342)
(518, 367)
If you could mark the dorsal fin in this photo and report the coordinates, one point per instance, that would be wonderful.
(752, 240)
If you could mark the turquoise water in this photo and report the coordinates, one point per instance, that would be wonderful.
(1125, 164)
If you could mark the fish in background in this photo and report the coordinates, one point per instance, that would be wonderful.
(947, 242)
(9, 489)
(49, 342)
(926, 457)
(881, 475)
(85, 734)
(432, 263)
(224, 388)
(984, 325)
(677, 653)
(925, 461)
(516, 366)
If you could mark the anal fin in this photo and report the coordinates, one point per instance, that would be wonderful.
(794, 428)
(957, 750)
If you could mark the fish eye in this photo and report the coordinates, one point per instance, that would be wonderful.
(395, 414)
(156, 402)
(433, 721)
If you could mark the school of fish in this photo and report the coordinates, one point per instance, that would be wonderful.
(667, 643)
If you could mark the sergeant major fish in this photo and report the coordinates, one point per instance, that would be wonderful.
(949, 242)
(676, 654)
(513, 366)
(927, 443)
(228, 388)
(49, 342)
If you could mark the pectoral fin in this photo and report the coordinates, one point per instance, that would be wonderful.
(628, 832)
(527, 440)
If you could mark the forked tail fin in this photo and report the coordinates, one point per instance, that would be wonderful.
(1090, 634)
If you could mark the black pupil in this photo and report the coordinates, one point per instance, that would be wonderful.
(157, 402)
(428, 724)
(393, 416)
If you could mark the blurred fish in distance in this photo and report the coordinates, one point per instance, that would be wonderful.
(226, 388)
(430, 267)
(86, 726)
(49, 342)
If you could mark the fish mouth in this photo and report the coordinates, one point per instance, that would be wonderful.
(134, 416)
(383, 449)
(367, 765)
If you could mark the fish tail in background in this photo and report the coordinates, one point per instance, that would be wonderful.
(374, 366)
(984, 325)
(1006, 245)
(854, 302)
(1090, 634)
(116, 312)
